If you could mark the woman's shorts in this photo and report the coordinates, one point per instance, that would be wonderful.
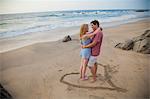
(85, 53)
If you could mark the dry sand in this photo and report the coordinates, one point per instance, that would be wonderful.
(34, 71)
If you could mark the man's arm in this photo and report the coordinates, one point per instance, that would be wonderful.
(94, 42)
(89, 45)
(91, 34)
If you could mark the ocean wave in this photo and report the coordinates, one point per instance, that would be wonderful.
(52, 15)
(18, 24)
(24, 31)
(3, 24)
(119, 18)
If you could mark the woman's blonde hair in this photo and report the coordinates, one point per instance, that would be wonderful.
(83, 29)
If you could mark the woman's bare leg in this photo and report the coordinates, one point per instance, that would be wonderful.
(85, 61)
(81, 67)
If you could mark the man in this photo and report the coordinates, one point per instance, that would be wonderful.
(95, 45)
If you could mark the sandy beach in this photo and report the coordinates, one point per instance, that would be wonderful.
(34, 71)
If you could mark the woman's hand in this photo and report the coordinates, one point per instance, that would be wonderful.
(84, 36)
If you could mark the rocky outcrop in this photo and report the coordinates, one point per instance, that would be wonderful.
(4, 94)
(66, 38)
(125, 46)
(139, 44)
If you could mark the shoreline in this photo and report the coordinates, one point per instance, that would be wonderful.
(33, 38)
(13, 43)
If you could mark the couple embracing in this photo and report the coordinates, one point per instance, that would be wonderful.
(90, 48)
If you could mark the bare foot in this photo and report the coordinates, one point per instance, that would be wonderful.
(93, 80)
(85, 78)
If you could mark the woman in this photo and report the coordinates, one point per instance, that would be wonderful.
(86, 52)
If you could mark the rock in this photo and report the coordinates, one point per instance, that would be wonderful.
(119, 45)
(128, 45)
(125, 46)
(139, 38)
(143, 46)
(138, 44)
(66, 38)
(4, 94)
(142, 37)
(146, 33)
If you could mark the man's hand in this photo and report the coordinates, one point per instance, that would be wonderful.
(83, 46)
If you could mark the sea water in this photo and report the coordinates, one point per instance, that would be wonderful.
(12, 25)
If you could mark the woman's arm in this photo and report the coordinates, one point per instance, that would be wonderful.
(91, 34)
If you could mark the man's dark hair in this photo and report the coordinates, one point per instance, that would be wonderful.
(95, 22)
